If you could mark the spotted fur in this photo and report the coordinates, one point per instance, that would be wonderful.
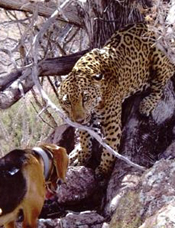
(102, 79)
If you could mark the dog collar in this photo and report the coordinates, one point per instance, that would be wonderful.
(47, 159)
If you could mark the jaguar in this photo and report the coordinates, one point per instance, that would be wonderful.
(103, 78)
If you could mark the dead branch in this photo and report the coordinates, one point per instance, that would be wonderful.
(13, 93)
(49, 103)
(81, 127)
(60, 65)
(9, 87)
(67, 13)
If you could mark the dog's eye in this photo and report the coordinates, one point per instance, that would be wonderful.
(13, 171)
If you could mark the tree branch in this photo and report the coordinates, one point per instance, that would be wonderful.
(82, 127)
(60, 65)
(16, 90)
(15, 85)
(67, 14)
(9, 87)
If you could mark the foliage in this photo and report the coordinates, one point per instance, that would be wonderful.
(22, 125)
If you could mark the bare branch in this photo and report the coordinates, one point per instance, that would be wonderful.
(67, 12)
(35, 73)
(81, 127)
(10, 92)
(7, 80)
(45, 110)
(52, 66)
(9, 53)
(60, 65)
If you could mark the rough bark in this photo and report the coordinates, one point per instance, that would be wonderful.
(103, 17)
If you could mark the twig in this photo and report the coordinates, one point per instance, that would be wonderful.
(57, 110)
(81, 127)
(9, 53)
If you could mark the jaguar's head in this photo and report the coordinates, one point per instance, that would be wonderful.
(80, 93)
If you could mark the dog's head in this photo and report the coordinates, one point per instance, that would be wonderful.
(57, 163)
(60, 159)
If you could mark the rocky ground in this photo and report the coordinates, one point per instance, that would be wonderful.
(130, 198)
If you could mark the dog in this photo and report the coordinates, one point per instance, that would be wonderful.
(25, 175)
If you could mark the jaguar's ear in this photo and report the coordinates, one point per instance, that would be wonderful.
(58, 90)
(57, 84)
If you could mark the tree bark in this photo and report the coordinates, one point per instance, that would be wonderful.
(103, 17)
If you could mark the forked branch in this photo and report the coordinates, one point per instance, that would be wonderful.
(49, 103)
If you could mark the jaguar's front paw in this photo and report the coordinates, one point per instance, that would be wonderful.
(79, 157)
(73, 158)
(101, 173)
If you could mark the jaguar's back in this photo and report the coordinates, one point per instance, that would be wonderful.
(103, 78)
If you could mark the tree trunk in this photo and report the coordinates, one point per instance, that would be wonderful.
(100, 18)
(103, 17)
(144, 139)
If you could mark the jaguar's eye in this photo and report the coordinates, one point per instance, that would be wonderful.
(85, 98)
(66, 100)
(98, 77)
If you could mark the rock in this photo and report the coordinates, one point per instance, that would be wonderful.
(157, 188)
(123, 180)
(84, 219)
(80, 184)
(80, 192)
(64, 136)
(152, 202)
(169, 153)
(125, 205)
(165, 217)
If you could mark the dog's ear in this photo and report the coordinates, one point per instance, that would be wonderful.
(61, 162)
(60, 158)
